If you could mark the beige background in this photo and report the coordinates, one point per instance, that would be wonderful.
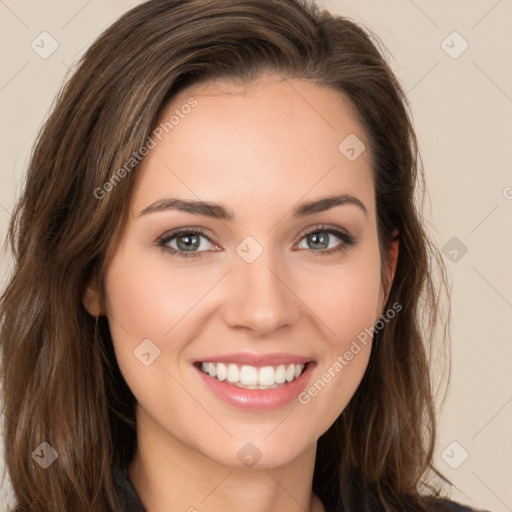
(463, 115)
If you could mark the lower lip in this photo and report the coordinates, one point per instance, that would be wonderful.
(257, 399)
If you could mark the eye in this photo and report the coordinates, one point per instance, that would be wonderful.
(192, 242)
(321, 240)
(185, 243)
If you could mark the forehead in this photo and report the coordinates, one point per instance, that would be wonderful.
(272, 140)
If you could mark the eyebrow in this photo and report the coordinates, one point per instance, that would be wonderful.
(216, 211)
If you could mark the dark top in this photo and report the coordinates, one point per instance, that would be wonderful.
(131, 503)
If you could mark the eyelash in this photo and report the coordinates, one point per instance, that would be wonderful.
(347, 241)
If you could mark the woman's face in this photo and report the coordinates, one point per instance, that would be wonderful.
(265, 276)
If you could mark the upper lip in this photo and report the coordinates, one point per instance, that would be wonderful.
(252, 359)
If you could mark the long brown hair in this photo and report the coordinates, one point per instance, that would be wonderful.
(61, 382)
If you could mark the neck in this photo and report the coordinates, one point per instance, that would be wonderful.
(168, 475)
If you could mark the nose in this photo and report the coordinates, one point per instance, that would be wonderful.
(258, 298)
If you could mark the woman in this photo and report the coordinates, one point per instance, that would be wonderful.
(222, 287)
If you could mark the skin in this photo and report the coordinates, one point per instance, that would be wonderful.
(259, 151)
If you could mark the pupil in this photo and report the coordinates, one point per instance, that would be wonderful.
(321, 239)
(190, 242)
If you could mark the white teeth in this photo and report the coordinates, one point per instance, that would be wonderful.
(267, 376)
(233, 373)
(251, 377)
(281, 374)
(222, 372)
(290, 373)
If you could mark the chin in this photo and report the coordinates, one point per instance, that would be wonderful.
(260, 451)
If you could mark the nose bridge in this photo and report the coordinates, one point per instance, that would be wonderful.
(258, 299)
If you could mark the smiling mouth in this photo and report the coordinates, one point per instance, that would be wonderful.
(252, 377)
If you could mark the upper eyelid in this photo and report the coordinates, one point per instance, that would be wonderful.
(323, 227)
(175, 232)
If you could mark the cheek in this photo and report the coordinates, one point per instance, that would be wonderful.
(147, 308)
(145, 300)
(346, 301)
(344, 297)
(354, 307)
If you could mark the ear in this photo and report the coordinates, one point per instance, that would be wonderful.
(393, 260)
(91, 298)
